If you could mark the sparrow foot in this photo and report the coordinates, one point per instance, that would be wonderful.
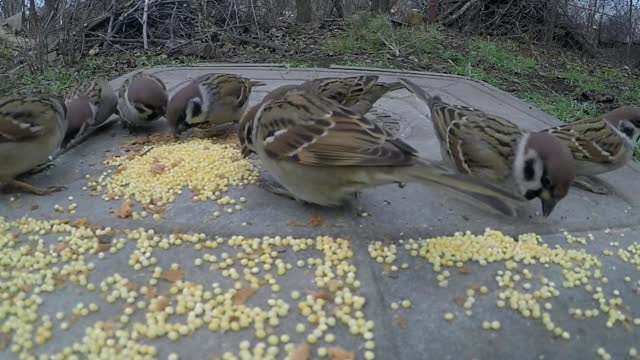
(40, 168)
(211, 131)
(34, 189)
(275, 187)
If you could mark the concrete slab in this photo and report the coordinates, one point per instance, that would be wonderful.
(413, 212)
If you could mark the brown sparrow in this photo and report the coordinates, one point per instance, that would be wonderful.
(31, 129)
(209, 99)
(321, 152)
(601, 144)
(358, 93)
(142, 99)
(489, 147)
(89, 105)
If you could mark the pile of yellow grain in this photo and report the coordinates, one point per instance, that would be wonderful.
(160, 173)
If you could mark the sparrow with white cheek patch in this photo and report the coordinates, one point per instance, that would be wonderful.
(489, 147)
(601, 144)
(322, 153)
(89, 105)
(31, 129)
(142, 99)
(209, 99)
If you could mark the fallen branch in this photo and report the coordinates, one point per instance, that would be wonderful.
(393, 48)
(253, 41)
(459, 12)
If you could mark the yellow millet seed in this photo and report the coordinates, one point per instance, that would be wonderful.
(158, 176)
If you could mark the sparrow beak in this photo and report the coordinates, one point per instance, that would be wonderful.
(255, 83)
(245, 151)
(548, 203)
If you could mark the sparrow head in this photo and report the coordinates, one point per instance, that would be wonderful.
(147, 95)
(245, 128)
(627, 120)
(544, 169)
(185, 107)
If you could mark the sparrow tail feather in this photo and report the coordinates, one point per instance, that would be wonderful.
(472, 190)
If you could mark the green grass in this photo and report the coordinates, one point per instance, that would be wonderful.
(503, 58)
(53, 80)
(583, 80)
(57, 78)
(375, 38)
(563, 107)
(374, 35)
(300, 64)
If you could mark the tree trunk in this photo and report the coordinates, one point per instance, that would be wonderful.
(432, 12)
(49, 7)
(338, 7)
(551, 18)
(11, 7)
(593, 10)
(380, 6)
(630, 34)
(33, 14)
(599, 35)
(304, 11)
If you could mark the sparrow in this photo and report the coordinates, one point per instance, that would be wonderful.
(358, 93)
(31, 129)
(601, 144)
(89, 105)
(321, 152)
(211, 98)
(535, 164)
(142, 99)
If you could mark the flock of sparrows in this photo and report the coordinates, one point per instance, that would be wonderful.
(320, 144)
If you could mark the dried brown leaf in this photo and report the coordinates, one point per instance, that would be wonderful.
(301, 352)
(315, 221)
(82, 222)
(151, 293)
(103, 247)
(125, 210)
(157, 167)
(243, 295)
(59, 280)
(459, 300)
(59, 247)
(336, 353)
(402, 323)
(172, 275)
(162, 303)
(464, 270)
(110, 327)
(321, 294)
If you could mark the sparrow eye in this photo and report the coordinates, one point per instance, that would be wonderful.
(628, 130)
